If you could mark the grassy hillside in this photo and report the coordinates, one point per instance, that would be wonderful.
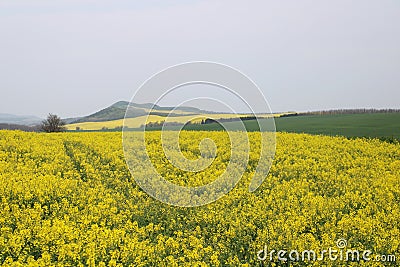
(117, 111)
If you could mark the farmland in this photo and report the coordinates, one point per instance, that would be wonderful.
(137, 122)
(349, 125)
(380, 125)
(133, 122)
(68, 199)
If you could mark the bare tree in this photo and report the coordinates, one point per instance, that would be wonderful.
(52, 124)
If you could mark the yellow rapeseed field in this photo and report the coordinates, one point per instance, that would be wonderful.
(68, 199)
(139, 121)
(142, 120)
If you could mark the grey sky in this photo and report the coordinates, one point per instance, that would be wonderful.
(74, 57)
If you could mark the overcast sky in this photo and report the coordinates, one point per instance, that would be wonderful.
(73, 57)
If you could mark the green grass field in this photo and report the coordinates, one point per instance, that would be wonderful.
(381, 125)
(350, 125)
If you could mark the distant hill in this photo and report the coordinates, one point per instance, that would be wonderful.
(117, 112)
(6, 126)
(19, 120)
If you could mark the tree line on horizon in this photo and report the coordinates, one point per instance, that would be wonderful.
(349, 111)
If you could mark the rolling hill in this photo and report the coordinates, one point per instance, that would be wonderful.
(19, 120)
(117, 112)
